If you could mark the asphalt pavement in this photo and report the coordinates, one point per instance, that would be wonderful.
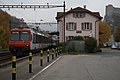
(100, 66)
(22, 68)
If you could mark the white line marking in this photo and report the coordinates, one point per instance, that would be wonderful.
(44, 69)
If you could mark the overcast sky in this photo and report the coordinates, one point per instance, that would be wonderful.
(48, 15)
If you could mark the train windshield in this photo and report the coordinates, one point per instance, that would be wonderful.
(20, 36)
(25, 36)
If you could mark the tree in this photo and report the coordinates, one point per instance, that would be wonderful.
(104, 32)
(4, 29)
(90, 44)
(117, 34)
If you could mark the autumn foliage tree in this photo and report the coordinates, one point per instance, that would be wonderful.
(4, 29)
(117, 34)
(104, 32)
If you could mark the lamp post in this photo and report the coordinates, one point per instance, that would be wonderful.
(64, 19)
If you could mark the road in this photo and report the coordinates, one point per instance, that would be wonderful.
(101, 66)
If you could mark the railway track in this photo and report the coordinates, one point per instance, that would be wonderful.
(5, 57)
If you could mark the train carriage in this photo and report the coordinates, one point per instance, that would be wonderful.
(25, 40)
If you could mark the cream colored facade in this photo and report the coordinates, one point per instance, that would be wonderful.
(79, 22)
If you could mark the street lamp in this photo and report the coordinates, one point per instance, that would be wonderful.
(64, 20)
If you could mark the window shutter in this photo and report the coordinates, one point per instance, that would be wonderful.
(90, 26)
(82, 26)
(75, 26)
(83, 14)
(66, 26)
(73, 14)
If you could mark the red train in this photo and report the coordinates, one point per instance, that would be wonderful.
(25, 39)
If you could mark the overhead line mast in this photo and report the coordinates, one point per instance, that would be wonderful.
(24, 6)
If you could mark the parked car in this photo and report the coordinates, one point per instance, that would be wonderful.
(113, 47)
(118, 45)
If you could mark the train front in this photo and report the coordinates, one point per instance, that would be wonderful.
(19, 40)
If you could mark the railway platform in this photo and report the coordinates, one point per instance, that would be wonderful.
(22, 68)
(102, 66)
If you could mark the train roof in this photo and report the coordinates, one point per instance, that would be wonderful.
(29, 29)
(20, 29)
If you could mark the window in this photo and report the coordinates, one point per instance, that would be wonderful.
(78, 15)
(20, 36)
(25, 36)
(86, 37)
(86, 26)
(34, 38)
(14, 36)
(69, 37)
(71, 26)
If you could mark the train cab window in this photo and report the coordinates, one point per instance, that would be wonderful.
(14, 36)
(20, 36)
(25, 36)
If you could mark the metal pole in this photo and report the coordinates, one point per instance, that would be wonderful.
(52, 53)
(56, 51)
(13, 66)
(48, 55)
(64, 19)
(30, 62)
(41, 58)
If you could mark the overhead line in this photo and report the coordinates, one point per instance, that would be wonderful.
(41, 23)
(18, 11)
(29, 6)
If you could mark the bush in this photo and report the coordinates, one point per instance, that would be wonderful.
(90, 45)
(80, 38)
(70, 47)
(75, 46)
(63, 46)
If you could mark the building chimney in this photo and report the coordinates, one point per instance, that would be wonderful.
(84, 6)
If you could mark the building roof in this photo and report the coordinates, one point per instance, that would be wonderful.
(78, 9)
